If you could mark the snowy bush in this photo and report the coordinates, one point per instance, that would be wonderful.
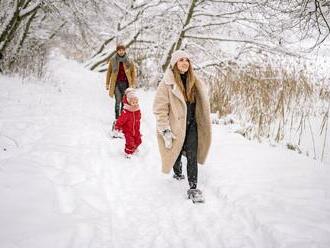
(30, 60)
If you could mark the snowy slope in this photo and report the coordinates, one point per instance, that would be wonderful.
(64, 183)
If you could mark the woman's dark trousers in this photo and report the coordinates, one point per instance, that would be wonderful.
(190, 148)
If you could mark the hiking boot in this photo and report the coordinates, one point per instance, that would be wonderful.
(128, 156)
(178, 177)
(195, 195)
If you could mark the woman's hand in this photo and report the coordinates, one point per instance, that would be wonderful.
(168, 138)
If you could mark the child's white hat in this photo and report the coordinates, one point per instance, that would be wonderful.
(130, 93)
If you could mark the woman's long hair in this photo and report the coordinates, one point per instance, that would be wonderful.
(189, 93)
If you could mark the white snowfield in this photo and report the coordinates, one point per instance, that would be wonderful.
(65, 184)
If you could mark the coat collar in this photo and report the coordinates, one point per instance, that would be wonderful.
(169, 77)
(169, 80)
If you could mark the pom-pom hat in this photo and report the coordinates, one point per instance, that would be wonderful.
(177, 55)
(131, 93)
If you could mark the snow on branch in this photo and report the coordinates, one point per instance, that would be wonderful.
(261, 45)
(143, 7)
(26, 11)
(219, 15)
(106, 42)
(228, 2)
(207, 25)
(121, 7)
(136, 17)
(102, 59)
(207, 64)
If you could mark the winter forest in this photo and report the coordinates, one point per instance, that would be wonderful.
(64, 181)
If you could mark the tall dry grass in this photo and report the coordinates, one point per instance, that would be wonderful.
(273, 103)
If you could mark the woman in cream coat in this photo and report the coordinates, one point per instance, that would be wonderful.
(182, 112)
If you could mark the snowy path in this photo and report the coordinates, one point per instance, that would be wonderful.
(64, 183)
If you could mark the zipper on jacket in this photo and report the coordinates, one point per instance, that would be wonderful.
(134, 123)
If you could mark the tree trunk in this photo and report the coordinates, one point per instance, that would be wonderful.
(178, 43)
(9, 32)
(10, 29)
(23, 37)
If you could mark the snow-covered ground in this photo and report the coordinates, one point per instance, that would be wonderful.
(64, 183)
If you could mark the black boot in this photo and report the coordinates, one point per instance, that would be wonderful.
(195, 195)
(177, 168)
(192, 185)
(178, 177)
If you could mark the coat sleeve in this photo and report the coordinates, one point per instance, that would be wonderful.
(204, 96)
(161, 108)
(133, 75)
(122, 119)
(109, 72)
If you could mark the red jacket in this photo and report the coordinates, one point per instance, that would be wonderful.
(129, 122)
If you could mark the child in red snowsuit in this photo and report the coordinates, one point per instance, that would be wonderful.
(129, 122)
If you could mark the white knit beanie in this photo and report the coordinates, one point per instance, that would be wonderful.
(130, 93)
(177, 55)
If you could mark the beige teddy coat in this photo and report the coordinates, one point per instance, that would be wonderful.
(170, 110)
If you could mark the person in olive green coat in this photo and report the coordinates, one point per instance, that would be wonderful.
(121, 75)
